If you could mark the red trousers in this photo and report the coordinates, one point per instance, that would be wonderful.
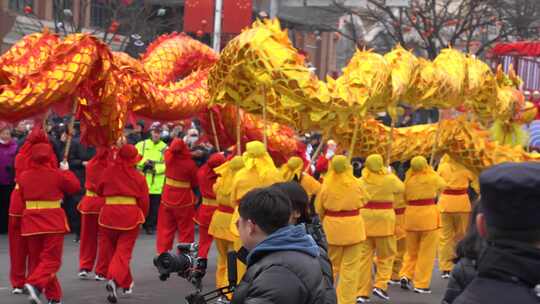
(171, 220)
(118, 244)
(89, 246)
(45, 259)
(205, 242)
(18, 252)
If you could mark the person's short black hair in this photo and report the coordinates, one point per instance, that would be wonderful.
(298, 197)
(268, 208)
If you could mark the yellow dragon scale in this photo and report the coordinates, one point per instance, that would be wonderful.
(179, 77)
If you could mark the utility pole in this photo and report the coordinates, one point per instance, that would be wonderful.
(274, 7)
(217, 26)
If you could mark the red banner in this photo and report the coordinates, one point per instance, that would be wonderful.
(199, 16)
(236, 15)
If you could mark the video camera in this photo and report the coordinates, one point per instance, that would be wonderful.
(187, 265)
(184, 262)
(149, 166)
(220, 293)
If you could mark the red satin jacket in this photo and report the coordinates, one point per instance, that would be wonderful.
(38, 185)
(119, 182)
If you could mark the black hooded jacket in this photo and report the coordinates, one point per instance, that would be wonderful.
(508, 272)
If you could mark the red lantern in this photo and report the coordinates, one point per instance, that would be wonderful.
(199, 33)
(28, 10)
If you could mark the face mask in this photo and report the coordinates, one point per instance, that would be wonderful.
(192, 139)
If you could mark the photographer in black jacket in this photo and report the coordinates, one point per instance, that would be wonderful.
(509, 266)
(282, 265)
(302, 217)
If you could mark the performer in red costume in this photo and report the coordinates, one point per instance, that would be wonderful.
(177, 207)
(126, 204)
(206, 178)
(44, 222)
(18, 248)
(89, 208)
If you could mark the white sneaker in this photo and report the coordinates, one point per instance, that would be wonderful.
(361, 300)
(129, 290)
(112, 297)
(381, 294)
(394, 282)
(223, 300)
(99, 277)
(33, 294)
(17, 291)
(445, 275)
(84, 275)
(406, 284)
(422, 290)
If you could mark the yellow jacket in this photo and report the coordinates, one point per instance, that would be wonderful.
(221, 220)
(457, 177)
(341, 191)
(293, 170)
(258, 171)
(422, 184)
(310, 184)
(382, 188)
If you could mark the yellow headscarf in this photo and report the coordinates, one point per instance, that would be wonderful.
(419, 165)
(226, 174)
(374, 169)
(293, 168)
(340, 173)
(257, 157)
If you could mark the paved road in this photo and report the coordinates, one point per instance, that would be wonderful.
(148, 288)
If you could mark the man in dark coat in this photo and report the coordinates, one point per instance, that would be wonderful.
(282, 265)
(509, 267)
(79, 155)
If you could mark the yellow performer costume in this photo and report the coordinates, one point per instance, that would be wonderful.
(221, 220)
(400, 206)
(379, 218)
(455, 208)
(293, 171)
(422, 185)
(258, 171)
(338, 204)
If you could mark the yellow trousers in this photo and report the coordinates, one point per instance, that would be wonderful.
(223, 247)
(384, 248)
(401, 245)
(419, 257)
(346, 262)
(240, 267)
(454, 226)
